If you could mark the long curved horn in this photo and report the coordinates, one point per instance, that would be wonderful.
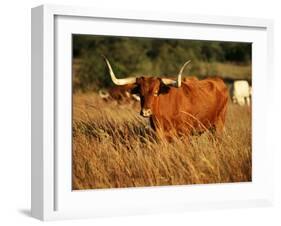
(178, 84)
(168, 81)
(116, 81)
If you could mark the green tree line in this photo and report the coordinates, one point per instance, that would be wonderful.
(131, 56)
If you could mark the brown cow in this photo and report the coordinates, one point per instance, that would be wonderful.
(122, 94)
(180, 107)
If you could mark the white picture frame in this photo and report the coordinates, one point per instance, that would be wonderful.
(52, 197)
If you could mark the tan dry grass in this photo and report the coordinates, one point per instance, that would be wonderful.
(114, 147)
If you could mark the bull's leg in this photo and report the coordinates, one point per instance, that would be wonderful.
(219, 124)
(248, 101)
(155, 125)
(164, 135)
(219, 127)
(234, 100)
(241, 101)
(165, 131)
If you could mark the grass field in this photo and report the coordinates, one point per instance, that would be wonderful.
(225, 70)
(114, 147)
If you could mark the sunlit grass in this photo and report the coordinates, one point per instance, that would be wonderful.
(223, 70)
(114, 147)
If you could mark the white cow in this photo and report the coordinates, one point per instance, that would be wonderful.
(241, 92)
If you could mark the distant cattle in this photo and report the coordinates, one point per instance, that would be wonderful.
(179, 107)
(122, 94)
(241, 92)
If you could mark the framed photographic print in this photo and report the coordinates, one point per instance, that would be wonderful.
(137, 112)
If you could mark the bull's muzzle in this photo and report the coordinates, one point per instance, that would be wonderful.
(146, 112)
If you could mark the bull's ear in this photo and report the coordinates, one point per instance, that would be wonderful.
(135, 89)
(163, 88)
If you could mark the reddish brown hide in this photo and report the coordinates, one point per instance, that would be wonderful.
(196, 106)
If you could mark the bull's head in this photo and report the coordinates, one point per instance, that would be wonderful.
(148, 88)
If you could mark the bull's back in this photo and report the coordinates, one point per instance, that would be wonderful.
(195, 103)
(214, 93)
(205, 100)
(216, 98)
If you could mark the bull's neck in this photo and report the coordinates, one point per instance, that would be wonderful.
(155, 106)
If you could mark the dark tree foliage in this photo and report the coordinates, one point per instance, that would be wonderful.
(146, 56)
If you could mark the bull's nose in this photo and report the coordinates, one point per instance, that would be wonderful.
(146, 112)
